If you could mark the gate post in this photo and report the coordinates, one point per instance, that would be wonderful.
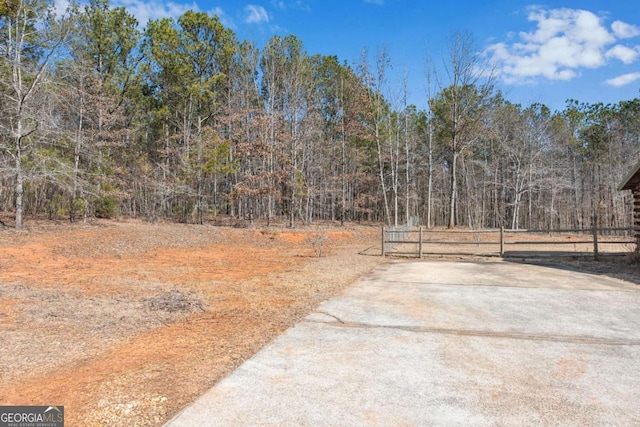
(501, 241)
(420, 243)
(596, 254)
(383, 252)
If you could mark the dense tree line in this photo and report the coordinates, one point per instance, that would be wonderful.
(184, 121)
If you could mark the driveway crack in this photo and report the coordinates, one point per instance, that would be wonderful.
(327, 314)
(481, 333)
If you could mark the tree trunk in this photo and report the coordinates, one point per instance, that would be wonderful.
(381, 176)
(19, 180)
(430, 172)
(454, 190)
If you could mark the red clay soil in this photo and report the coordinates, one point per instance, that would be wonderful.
(125, 323)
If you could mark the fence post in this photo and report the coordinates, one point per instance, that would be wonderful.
(383, 253)
(501, 241)
(420, 243)
(596, 254)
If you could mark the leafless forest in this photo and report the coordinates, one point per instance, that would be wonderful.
(183, 121)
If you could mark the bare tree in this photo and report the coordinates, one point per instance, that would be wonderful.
(461, 105)
(378, 113)
(30, 38)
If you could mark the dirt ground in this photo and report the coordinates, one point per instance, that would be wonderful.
(125, 323)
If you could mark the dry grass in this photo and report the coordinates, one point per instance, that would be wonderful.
(125, 323)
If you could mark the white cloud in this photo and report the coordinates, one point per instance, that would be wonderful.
(217, 11)
(291, 4)
(143, 10)
(60, 7)
(623, 53)
(255, 14)
(624, 79)
(564, 42)
(623, 30)
(224, 18)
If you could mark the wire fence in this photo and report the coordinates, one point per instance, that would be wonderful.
(397, 235)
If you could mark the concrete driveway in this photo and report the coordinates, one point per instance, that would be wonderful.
(447, 343)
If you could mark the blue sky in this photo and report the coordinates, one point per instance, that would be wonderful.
(543, 52)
